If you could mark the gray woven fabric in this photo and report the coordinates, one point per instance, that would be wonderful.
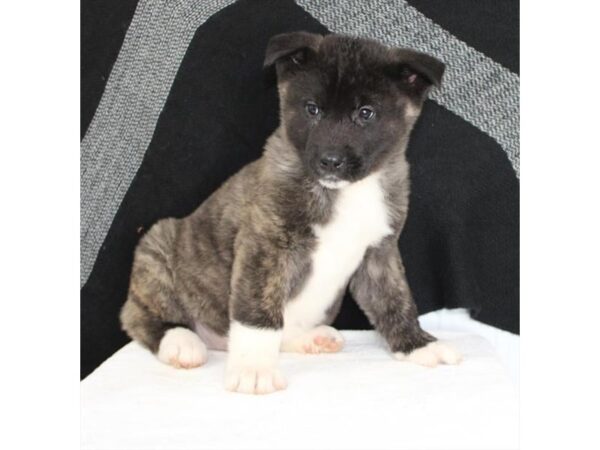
(475, 87)
(116, 140)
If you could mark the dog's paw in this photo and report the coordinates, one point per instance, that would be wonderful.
(182, 348)
(431, 355)
(323, 339)
(253, 360)
(249, 380)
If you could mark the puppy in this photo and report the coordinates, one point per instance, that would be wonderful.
(262, 265)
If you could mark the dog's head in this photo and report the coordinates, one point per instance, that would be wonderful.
(348, 104)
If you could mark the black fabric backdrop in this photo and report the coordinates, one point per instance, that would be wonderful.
(461, 240)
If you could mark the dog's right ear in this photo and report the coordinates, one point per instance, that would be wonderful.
(292, 49)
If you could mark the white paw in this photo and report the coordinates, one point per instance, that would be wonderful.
(182, 348)
(323, 339)
(252, 360)
(431, 355)
(250, 380)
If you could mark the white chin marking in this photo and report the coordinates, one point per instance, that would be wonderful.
(431, 355)
(182, 348)
(252, 360)
(334, 184)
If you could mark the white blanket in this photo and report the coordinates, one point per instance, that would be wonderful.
(357, 399)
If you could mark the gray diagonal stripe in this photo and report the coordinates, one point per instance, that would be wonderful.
(475, 87)
(136, 91)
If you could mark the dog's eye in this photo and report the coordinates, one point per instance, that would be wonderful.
(366, 113)
(312, 108)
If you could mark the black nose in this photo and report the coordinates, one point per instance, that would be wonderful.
(332, 162)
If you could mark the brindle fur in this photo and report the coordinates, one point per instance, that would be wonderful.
(246, 250)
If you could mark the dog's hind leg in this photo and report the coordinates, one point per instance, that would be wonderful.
(152, 314)
(172, 343)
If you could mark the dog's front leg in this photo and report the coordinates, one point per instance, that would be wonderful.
(258, 288)
(380, 288)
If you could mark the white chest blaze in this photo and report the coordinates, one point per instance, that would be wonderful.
(360, 219)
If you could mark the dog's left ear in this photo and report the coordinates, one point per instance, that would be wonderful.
(416, 71)
(293, 48)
